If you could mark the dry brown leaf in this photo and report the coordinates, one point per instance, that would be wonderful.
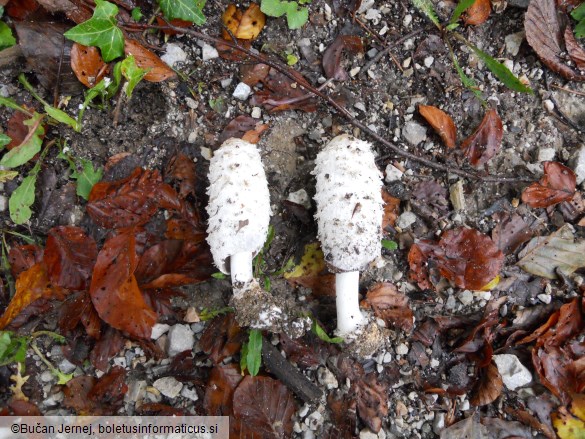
(488, 388)
(575, 50)
(478, 13)
(391, 209)
(558, 184)
(510, 232)
(441, 123)
(486, 141)
(543, 33)
(332, 57)
(246, 26)
(158, 71)
(390, 305)
(87, 64)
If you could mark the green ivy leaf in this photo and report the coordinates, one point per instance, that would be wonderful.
(4, 140)
(254, 354)
(579, 12)
(501, 71)
(460, 9)
(22, 199)
(6, 38)
(296, 16)
(389, 245)
(100, 30)
(12, 348)
(86, 177)
(132, 73)
(29, 147)
(320, 332)
(580, 29)
(137, 14)
(188, 10)
(426, 7)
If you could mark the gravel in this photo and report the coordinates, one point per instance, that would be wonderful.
(513, 372)
(168, 386)
(174, 54)
(180, 339)
(414, 133)
(242, 91)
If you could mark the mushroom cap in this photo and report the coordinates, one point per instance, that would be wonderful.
(349, 203)
(239, 202)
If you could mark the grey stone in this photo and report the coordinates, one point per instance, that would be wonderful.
(189, 393)
(579, 164)
(326, 378)
(3, 203)
(465, 297)
(402, 349)
(392, 173)
(366, 433)
(168, 386)
(46, 376)
(136, 391)
(66, 366)
(546, 154)
(242, 91)
(406, 219)
(519, 3)
(513, 42)
(514, 373)
(414, 133)
(208, 52)
(158, 330)
(180, 339)
(173, 55)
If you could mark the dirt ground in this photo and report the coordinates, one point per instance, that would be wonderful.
(164, 119)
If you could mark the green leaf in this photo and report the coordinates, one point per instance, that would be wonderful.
(188, 10)
(100, 30)
(6, 38)
(86, 177)
(207, 314)
(466, 80)
(579, 12)
(7, 102)
(29, 147)
(452, 26)
(254, 354)
(244, 357)
(580, 29)
(291, 60)
(320, 332)
(426, 7)
(501, 71)
(460, 9)
(219, 275)
(4, 140)
(7, 175)
(137, 14)
(132, 73)
(296, 16)
(218, 105)
(21, 199)
(61, 116)
(12, 348)
(389, 245)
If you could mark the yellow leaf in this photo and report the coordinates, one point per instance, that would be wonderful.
(312, 263)
(492, 284)
(570, 424)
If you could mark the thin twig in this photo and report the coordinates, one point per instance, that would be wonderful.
(568, 90)
(302, 81)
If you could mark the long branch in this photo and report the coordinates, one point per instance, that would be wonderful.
(295, 76)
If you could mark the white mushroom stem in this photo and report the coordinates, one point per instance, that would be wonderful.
(349, 316)
(241, 267)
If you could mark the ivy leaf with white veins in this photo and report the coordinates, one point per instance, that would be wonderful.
(100, 30)
(29, 147)
(86, 177)
(21, 199)
(189, 10)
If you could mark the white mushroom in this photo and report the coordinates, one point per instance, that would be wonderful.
(349, 217)
(239, 208)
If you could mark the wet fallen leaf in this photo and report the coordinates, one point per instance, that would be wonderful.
(312, 273)
(23, 257)
(441, 122)
(488, 388)
(569, 423)
(264, 406)
(390, 305)
(78, 308)
(391, 210)
(544, 255)
(333, 55)
(302, 351)
(182, 170)
(558, 184)
(222, 338)
(237, 127)
(478, 12)
(371, 401)
(157, 70)
(486, 140)
(281, 93)
(574, 49)
(344, 417)
(464, 256)
(543, 33)
(106, 348)
(252, 74)
(76, 398)
(510, 232)
(246, 26)
(109, 389)
(20, 407)
(114, 290)
(553, 366)
(469, 428)
(87, 64)
(429, 200)
(253, 135)
(417, 261)
(69, 257)
(223, 380)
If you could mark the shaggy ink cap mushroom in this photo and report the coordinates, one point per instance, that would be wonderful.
(349, 217)
(238, 209)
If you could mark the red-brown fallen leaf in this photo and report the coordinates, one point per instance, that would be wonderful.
(441, 122)
(543, 33)
(558, 184)
(332, 57)
(488, 388)
(429, 200)
(87, 395)
(371, 401)
(574, 49)
(478, 13)
(69, 256)
(466, 257)
(31, 285)
(253, 135)
(553, 366)
(252, 74)
(23, 257)
(569, 324)
(78, 308)
(180, 228)
(486, 140)
(106, 348)
(160, 300)
(222, 338)
(109, 390)
(87, 64)
(177, 22)
(301, 351)
(182, 169)
(21, 9)
(158, 409)
(343, 415)
(223, 380)
(114, 290)
(390, 305)
(16, 129)
(237, 127)
(391, 209)
(265, 408)
(184, 368)
(76, 396)
(244, 26)
(510, 232)
(577, 369)
(281, 93)
(158, 71)
(20, 407)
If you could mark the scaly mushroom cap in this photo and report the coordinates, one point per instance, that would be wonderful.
(239, 202)
(349, 203)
